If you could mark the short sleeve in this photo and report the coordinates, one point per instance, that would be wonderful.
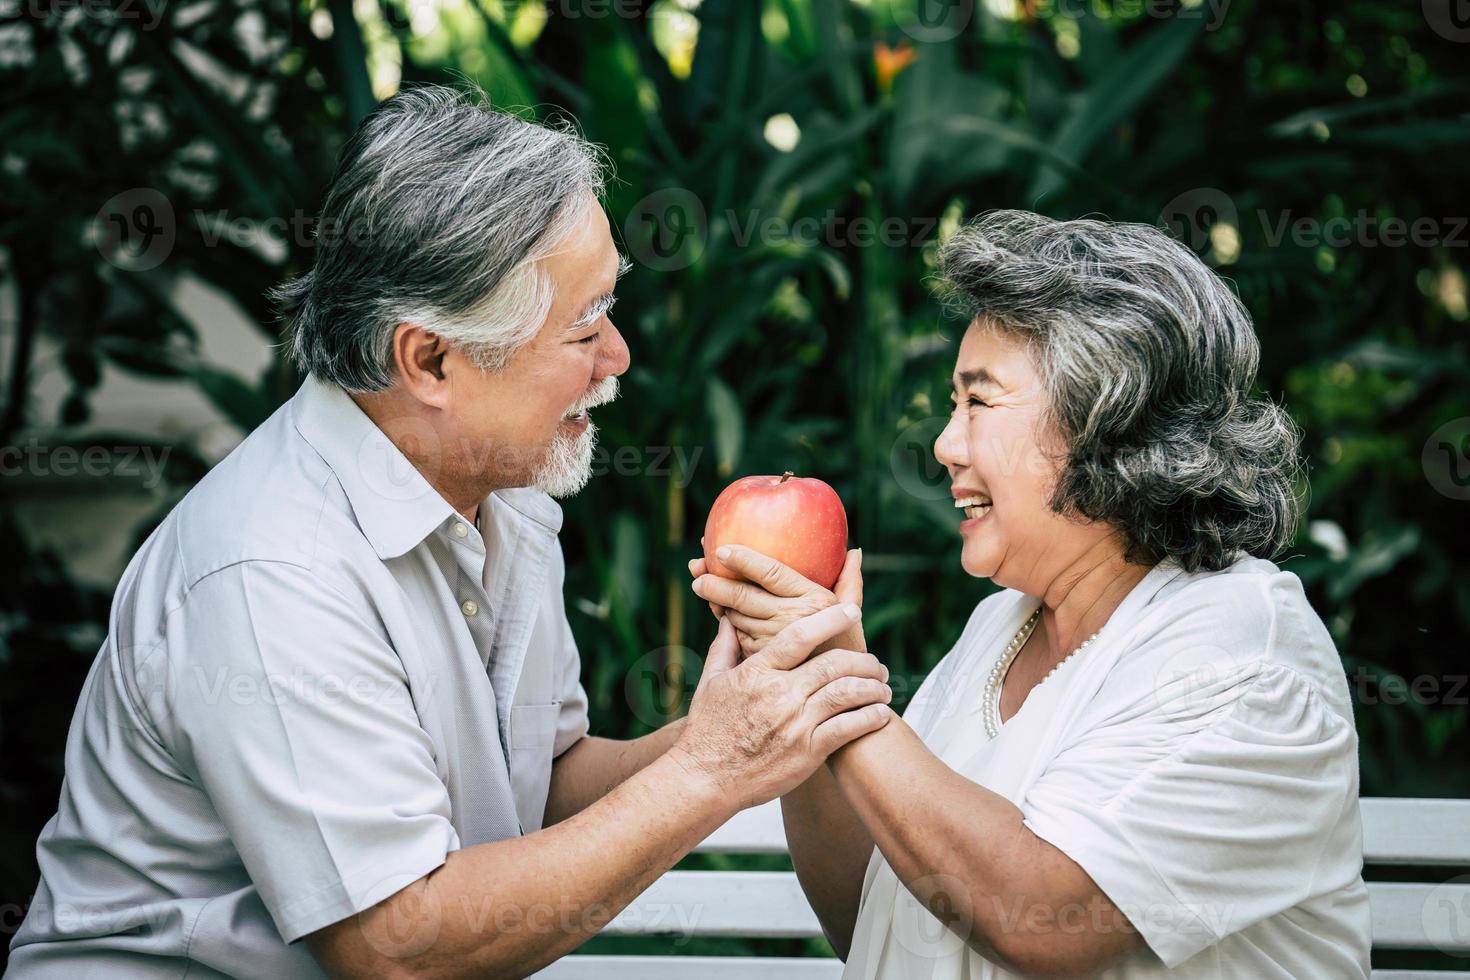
(291, 710)
(1200, 801)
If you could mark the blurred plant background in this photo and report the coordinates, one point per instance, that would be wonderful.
(784, 169)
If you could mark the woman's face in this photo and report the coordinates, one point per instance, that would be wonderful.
(1001, 457)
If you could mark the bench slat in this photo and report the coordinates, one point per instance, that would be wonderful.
(720, 903)
(684, 967)
(777, 968)
(1415, 916)
(757, 830)
(1426, 832)
(771, 904)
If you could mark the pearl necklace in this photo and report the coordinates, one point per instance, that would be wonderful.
(991, 709)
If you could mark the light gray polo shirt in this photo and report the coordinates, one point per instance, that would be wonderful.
(318, 680)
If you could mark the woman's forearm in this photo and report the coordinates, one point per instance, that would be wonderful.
(830, 848)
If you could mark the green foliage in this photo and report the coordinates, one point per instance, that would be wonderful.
(792, 327)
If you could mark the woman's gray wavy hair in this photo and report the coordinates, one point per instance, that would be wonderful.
(1148, 359)
(439, 213)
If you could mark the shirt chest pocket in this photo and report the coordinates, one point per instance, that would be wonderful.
(532, 737)
(533, 726)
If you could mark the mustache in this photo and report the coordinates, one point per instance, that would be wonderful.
(599, 394)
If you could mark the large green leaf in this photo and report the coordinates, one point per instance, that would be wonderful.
(1114, 96)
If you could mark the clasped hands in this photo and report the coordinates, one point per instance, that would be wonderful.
(771, 596)
(787, 681)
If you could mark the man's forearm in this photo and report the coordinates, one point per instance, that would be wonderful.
(509, 908)
(591, 768)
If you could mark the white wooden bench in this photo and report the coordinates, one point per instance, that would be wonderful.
(770, 904)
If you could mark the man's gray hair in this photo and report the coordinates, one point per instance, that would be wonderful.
(439, 214)
(1148, 359)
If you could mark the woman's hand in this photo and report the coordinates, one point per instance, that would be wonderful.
(772, 596)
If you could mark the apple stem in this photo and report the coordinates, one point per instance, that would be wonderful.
(785, 476)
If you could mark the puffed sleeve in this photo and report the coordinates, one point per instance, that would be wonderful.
(1198, 794)
(291, 710)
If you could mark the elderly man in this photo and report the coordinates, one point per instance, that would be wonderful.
(339, 698)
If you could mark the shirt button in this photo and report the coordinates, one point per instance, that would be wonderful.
(469, 607)
(460, 531)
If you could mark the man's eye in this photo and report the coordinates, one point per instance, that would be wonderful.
(590, 338)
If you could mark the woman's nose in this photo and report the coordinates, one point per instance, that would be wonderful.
(950, 447)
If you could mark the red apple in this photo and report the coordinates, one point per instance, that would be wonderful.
(798, 521)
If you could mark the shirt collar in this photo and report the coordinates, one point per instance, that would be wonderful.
(394, 505)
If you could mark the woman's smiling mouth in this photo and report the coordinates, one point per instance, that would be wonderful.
(975, 507)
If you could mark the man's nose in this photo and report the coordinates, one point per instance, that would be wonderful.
(614, 357)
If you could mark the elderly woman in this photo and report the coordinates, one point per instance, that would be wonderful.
(1139, 758)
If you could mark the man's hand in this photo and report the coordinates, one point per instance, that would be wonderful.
(773, 596)
(760, 727)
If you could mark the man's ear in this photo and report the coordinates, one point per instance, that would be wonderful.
(418, 357)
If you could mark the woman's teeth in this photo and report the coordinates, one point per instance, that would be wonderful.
(973, 506)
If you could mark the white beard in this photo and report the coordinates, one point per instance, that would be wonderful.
(568, 463)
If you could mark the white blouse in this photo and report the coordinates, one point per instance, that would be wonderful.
(1198, 760)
